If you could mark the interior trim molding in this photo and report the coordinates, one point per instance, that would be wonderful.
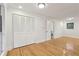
(4, 53)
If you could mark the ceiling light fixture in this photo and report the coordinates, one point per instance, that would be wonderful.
(41, 5)
(20, 7)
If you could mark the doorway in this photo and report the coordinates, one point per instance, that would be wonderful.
(50, 29)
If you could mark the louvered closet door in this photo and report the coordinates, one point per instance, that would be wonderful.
(23, 27)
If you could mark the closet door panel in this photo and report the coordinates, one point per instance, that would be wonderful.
(28, 30)
(19, 31)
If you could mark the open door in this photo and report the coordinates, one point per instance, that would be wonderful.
(50, 29)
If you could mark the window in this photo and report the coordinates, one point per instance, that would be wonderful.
(70, 25)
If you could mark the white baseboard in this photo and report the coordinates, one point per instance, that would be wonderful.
(71, 36)
(4, 53)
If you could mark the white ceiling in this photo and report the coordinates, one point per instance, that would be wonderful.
(55, 10)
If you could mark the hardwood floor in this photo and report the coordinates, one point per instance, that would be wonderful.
(64, 46)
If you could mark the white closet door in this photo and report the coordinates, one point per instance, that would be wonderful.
(28, 30)
(22, 30)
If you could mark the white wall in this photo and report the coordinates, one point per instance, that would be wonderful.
(61, 30)
(58, 28)
(41, 20)
(71, 32)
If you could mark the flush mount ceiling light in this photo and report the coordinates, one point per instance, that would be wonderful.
(41, 5)
(20, 7)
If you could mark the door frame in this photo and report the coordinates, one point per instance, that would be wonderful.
(50, 30)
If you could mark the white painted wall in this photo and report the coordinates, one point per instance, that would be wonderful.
(71, 32)
(58, 28)
(61, 30)
(40, 21)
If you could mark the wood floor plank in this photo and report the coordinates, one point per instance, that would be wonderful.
(56, 47)
(37, 51)
(14, 52)
(43, 50)
(25, 51)
(53, 49)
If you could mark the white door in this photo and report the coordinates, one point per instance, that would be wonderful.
(50, 29)
(22, 30)
(28, 30)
